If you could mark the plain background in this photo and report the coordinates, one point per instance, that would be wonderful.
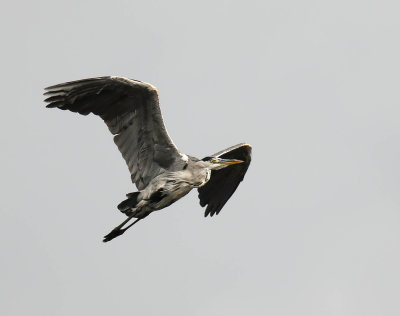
(313, 229)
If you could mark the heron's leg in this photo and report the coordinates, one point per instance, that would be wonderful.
(117, 231)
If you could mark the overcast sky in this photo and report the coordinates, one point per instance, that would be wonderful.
(313, 86)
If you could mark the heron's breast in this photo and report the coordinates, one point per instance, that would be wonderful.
(201, 178)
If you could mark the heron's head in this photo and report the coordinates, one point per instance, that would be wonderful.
(215, 163)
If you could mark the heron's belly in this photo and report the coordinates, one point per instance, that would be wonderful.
(165, 190)
(172, 196)
(162, 197)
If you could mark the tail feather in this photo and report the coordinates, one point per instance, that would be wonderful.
(129, 203)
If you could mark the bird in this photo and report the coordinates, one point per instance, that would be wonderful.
(162, 174)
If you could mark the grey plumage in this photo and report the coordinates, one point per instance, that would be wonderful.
(162, 174)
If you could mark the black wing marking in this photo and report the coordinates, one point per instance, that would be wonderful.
(223, 183)
(131, 110)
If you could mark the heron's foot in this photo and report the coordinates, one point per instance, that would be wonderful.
(118, 231)
(114, 233)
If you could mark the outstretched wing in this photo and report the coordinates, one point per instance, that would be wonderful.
(131, 110)
(223, 183)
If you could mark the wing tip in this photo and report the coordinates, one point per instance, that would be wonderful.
(56, 104)
(75, 82)
(246, 145)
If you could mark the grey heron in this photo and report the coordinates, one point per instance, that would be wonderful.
(161, 173)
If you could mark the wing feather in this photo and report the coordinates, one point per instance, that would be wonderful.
(224, 182)
(131, 110)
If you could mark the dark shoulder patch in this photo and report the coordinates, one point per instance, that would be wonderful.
(157, 196)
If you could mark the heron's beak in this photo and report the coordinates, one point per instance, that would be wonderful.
(228, 162)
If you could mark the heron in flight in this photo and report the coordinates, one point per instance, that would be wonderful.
(161, 173)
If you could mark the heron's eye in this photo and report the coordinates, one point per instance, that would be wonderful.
(215, 160)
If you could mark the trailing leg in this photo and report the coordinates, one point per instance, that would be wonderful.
(117, 231)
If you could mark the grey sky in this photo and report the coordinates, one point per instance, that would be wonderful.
(313, 229)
